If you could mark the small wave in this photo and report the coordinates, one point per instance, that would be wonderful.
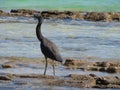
(19, 19)
(67, 21)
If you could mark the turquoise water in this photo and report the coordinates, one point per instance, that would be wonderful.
(84, 5)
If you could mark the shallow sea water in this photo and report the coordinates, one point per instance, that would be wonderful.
(74, 38)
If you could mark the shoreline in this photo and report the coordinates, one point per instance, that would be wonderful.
(76, 15)
(21, 71)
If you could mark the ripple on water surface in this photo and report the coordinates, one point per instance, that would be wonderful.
(74, 38)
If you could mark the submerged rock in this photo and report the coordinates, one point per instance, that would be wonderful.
(10, 64)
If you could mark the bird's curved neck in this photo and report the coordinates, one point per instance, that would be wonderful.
(38, 32)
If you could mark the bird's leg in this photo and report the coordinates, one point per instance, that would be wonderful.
(46, 64)
(53, 68)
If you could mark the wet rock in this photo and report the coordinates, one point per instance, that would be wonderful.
(74, 64)
(115, 16)
(78, 15)
(62, 15)
(102, 64)
(92, 75)
(77, 80)
(50, 14)
(102, 81)
(2, 13)
(102, 16)
(110, 67)
(24, 12)
(94, 16)
(5, 76)
(73, 81)
(113, 69)
(36, 76)
(9, 64)
(107, 86)
(115, 64)
(55, 14)
(107, 82)
(55, 82)
(103, 69)
(93, 68)
(86, 80)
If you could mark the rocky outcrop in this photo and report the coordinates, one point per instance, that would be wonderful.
(5, 77)
(89, 16)
(102, 16)
(110, 67)
(17, 80)
(62, 15)
(2, 13)
(23, 12)
(72, 80)
(9, 64)
(107, 82)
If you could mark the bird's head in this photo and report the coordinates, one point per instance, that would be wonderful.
(39, 17)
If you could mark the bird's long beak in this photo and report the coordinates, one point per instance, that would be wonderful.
(37, 15)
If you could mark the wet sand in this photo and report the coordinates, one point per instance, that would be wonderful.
(27, 73)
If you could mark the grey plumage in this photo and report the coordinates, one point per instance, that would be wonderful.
(48, 48)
